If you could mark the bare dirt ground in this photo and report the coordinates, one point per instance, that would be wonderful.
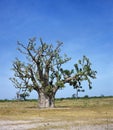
(36, 123)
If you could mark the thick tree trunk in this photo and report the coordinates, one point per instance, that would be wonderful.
(46, 101)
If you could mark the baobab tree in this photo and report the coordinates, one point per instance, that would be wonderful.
(43, 72)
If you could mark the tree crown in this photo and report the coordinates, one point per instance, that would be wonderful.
(43, 70)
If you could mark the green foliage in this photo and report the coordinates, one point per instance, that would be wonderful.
(48, 90)
(43, 71)
(84, 72)
(24, 95)
(60, 84)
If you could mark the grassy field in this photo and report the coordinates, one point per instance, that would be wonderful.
(68, 114)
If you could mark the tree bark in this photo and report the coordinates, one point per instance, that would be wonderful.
(46, 101)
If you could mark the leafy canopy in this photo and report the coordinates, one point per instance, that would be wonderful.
(43, 71)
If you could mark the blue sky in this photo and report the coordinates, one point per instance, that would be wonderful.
(85, 27)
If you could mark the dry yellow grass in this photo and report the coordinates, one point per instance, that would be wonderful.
(93, 111)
